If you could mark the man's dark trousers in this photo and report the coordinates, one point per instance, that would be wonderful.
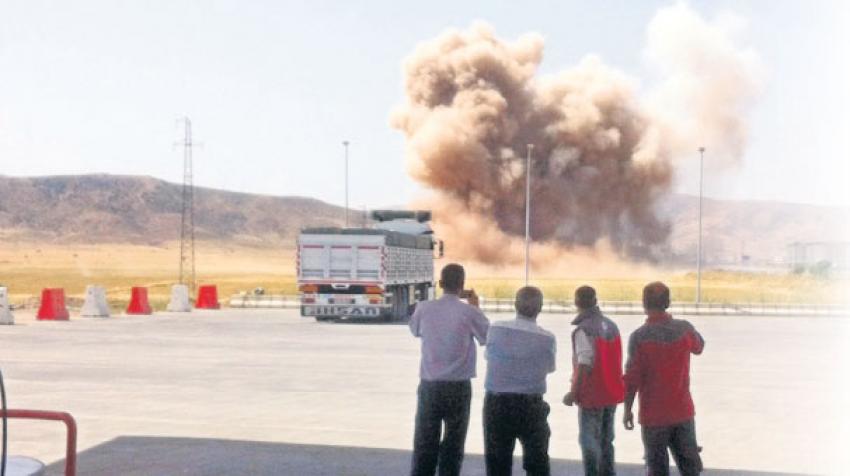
(596, 438)
(512, 416)
(681, 439)
(440, 402)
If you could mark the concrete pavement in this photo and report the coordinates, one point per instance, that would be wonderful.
(239, 385)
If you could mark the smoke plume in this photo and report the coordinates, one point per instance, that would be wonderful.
(707, 83)
(602, 157)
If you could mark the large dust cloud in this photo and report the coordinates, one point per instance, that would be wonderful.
(603, 153)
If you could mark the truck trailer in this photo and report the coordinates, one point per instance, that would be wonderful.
(379, 272)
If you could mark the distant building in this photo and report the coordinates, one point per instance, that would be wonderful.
(807, 254)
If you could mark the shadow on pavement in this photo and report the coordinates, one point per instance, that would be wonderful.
(143, 455)
(362, 321)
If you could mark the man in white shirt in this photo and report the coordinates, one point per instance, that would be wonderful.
(520, 354)
(448, 328)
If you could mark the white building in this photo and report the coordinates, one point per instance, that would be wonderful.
(806, 254)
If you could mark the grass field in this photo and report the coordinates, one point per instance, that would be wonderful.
(717, 287)
(28, 268)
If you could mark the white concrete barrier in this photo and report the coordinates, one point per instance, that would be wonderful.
(95, 304)
(6, 316)
(179, 299)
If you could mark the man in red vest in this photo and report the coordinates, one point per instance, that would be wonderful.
(597, 383)
(658, 368)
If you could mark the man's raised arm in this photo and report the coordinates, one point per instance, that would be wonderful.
(415, 319)
(478, 322)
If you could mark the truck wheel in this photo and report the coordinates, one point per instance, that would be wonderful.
(400, 300)
(390, 316)
(404, 302)
(422, 292)
(396, 303)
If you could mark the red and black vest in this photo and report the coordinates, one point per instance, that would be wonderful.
(658, 369)
(604, 386)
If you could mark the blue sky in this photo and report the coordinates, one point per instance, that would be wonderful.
(274, 87)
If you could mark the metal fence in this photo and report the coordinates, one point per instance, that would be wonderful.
(265, 301)
(684, 308)
(555, 306)
(33, 302)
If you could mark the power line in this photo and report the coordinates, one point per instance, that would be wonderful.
(187, 215)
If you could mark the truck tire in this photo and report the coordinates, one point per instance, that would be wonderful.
(401, 299)
(422, 292)
(391, 315)
(404, 305)
(396, 303)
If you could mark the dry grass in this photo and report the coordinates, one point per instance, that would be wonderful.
(717, 287)
(28, 268)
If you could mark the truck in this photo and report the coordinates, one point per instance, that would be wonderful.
(376, 273)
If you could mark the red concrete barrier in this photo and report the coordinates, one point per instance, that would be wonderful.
(139, 301)
(207, 297)
(52, 305)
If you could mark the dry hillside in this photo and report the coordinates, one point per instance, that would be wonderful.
(91, 209)
(145, 210)
(757, 229)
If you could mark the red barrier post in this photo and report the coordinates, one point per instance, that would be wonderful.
(139, 301)
(70, 424)
(52, 306)
(207, 297)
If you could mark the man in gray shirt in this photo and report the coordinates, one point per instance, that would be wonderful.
(520, 354)
(448, 328)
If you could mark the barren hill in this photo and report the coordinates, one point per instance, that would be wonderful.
(145, 210)
(759, 230)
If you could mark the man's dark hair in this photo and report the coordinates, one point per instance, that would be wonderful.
(452, 277)
(585, 297)
(529, 301)
(656, 296)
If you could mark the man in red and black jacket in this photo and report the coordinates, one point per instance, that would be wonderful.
(597, 384)
(658, 368)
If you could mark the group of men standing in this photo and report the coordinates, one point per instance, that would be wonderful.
(520, 354)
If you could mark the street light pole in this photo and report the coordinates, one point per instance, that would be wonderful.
(699, 238)
(345, 144)
(529, 147)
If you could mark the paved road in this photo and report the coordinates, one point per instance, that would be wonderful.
(207, 392)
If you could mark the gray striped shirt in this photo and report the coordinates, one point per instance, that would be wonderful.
(519, 356)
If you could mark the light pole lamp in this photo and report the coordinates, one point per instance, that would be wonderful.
(345, 144)
(699, 235)
(529, 147)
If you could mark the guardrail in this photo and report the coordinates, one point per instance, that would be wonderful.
(265, 301)
(555, 306)
(32, 302)
(70, 424)
(682, 308)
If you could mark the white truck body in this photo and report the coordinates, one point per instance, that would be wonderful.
(369, 273)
